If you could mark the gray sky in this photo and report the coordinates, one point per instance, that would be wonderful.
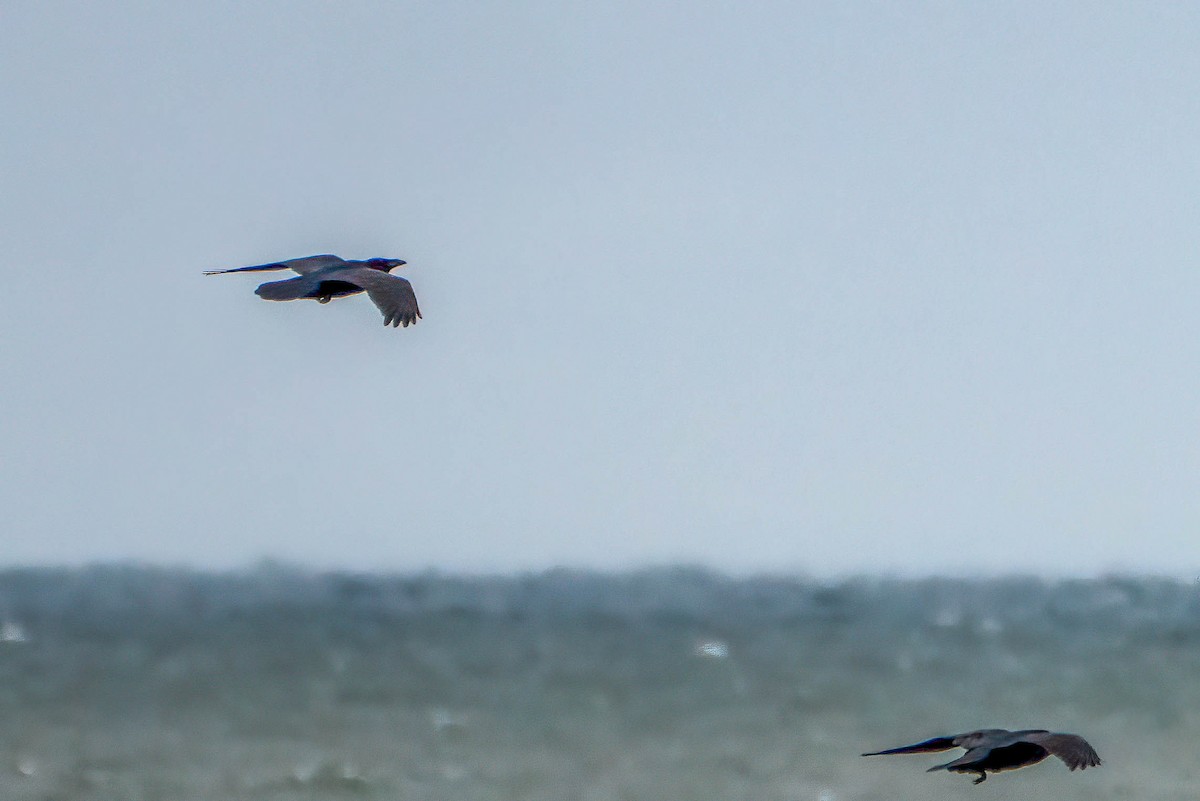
(770, 286)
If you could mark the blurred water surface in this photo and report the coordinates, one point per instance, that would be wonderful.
(133, 683)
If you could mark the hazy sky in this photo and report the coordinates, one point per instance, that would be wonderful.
(764, 286)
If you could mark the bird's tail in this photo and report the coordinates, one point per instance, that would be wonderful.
(258, 268)
(935, 744)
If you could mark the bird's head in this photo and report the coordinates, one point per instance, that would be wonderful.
(385, 265)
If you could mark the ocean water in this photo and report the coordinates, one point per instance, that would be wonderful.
(144, 684)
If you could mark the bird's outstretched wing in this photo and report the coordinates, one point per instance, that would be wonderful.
(393, 295)
(1072, 749)
(935, 744)
(304, 265)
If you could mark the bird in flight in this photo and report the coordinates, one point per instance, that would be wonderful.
(999, 749)
(326, 277)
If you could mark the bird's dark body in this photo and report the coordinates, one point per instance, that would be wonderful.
(333, 289)
(1010, 757)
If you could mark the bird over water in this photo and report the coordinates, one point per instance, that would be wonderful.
(1000, 749)
(323, 278)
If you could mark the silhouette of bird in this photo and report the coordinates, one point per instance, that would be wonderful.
(326, 277)
(999, 749)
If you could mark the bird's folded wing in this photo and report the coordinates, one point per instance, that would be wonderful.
(1070, 748)
(310, 264)
(289, 289)
(393, 295)
(970, 758)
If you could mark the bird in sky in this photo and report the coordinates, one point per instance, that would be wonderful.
(1000, 749)
(323, 278)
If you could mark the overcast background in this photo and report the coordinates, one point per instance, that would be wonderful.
(821, 287)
